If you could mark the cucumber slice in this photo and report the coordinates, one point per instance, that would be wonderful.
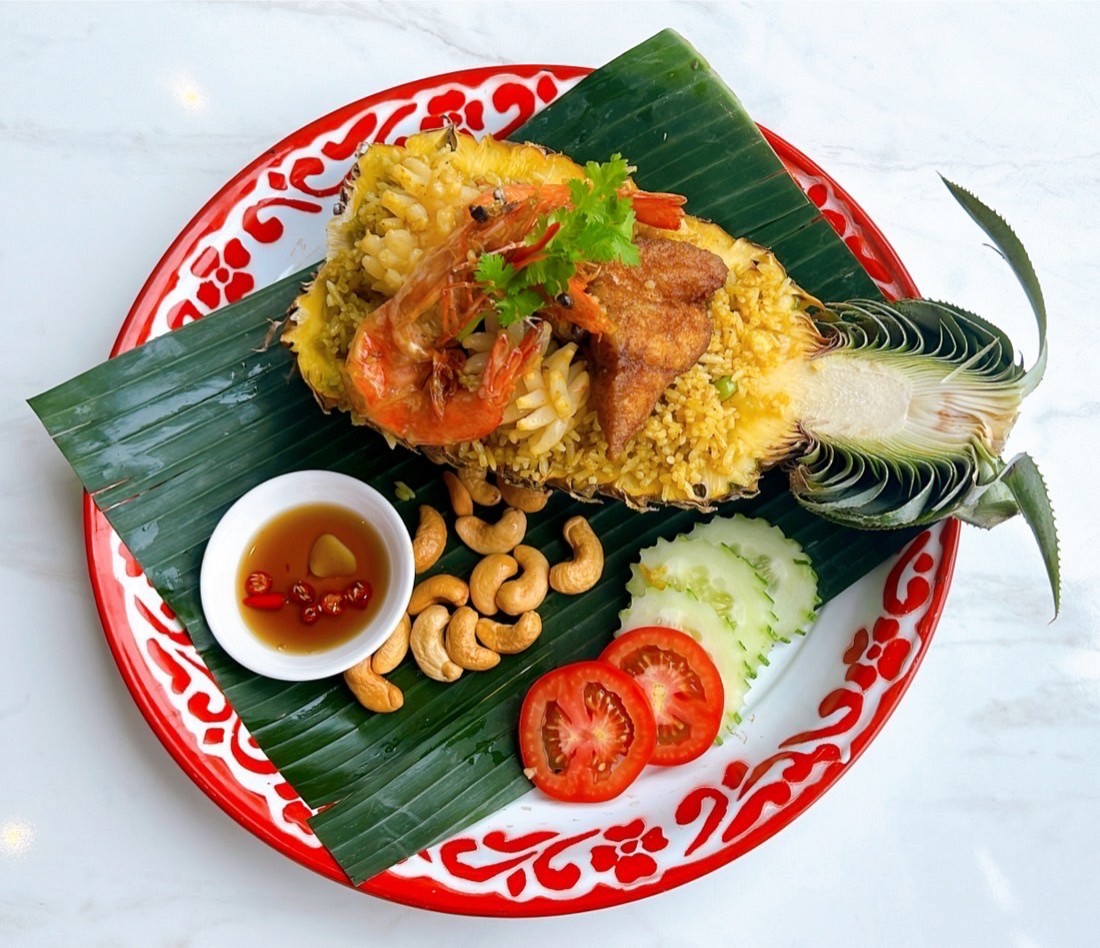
(791, 580)
(719, 577)
(681, 610)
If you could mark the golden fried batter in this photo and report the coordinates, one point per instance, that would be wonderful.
(661, 328)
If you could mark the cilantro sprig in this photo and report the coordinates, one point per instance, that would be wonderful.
(597, 227)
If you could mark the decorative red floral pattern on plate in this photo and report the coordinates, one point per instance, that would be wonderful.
(737, 794)
(675, 823)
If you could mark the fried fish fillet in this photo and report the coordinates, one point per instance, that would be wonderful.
(661, 328)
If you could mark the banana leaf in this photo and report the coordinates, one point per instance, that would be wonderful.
(139, 431)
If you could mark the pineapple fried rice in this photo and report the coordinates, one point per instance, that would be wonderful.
(711, 433)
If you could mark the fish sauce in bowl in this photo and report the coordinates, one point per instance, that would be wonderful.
(288, 606)
(306, 575)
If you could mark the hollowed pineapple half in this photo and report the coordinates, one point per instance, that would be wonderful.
(886, 414)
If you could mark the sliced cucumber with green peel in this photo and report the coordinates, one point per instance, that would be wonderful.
(675, 609)
(780, 561)
(736, 584)
(718, 576)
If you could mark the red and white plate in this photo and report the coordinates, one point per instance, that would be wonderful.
(809, 716)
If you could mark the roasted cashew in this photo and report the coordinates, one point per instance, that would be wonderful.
(482, 492)
(499, 537)
(580, 573)
(462, 645)
(526, 593)
(461, 501)
(509, 639)
(392, 652)
(486, 579)
(439, 588)
(427, 646)
(527, 499)
(430, 540)
(371, 690)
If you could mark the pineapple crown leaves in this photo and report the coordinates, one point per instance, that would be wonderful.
(1019, 487)
(859, 487)
(1021, 476)
(1030, 492)
(1008, 245)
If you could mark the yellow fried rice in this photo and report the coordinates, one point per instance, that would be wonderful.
(694, 448)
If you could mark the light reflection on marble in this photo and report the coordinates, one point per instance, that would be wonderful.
(973, 819)
(16, 837)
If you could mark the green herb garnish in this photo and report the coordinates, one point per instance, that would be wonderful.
(511, 290)
(598, 227)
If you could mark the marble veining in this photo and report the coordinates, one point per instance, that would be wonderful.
(973, 819)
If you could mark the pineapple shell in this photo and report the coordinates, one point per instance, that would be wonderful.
(400, 200)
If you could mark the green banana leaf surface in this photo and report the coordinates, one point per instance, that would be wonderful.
(166, 437)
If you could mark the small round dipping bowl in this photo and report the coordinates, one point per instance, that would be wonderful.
(227, 546)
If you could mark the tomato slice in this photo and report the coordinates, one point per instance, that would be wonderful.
(682, 684)
(585, 732)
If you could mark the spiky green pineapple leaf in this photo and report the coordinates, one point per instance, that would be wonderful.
(988, 507)
(1017, 488)
(1009, 247)
(1030, 492)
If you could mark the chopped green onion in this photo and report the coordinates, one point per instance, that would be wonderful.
(402, 491)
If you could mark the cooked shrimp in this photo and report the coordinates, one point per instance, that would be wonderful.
(403, 368)
(655, 208)
(403, 377)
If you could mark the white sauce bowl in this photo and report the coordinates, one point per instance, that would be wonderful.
(227, 546)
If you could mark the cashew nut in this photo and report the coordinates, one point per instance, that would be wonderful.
(526, 593)
(580, 573)
(486, 579)
(527, 499)
(427, 645)
(461, 501)
(439, 588)
(462, 645)
(393, 651)
(482, 492)
(371, 690)
(430, 540)
(499, 537)
(509, 639)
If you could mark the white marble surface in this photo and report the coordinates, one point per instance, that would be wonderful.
(973, 819)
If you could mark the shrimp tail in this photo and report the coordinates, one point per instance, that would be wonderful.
(507, 362)
(443, 379)
(658, 209)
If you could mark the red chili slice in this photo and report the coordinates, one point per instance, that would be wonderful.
(302, 593)
(268, 601)
(332, 603)
(258, 583)
(358, 594)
